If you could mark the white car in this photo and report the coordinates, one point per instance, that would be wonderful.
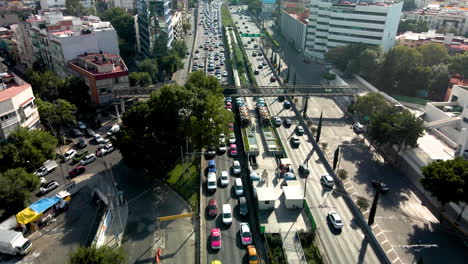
(106, 149)
(358, 127)
(69, 155)
(88, 159)
(211, 183)
(327, 180)
(114, 128)
(47, 187)
(239, 188)
(222, 138)
(224, 178)
(100, 140)
(225, 74)
(335, 219)
(232, 138)
(245, 234)
(236, 168)
(81, 125)
(227, 214)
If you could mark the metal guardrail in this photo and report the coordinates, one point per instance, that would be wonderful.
(299, 249)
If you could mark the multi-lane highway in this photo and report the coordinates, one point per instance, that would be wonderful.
(349, 245)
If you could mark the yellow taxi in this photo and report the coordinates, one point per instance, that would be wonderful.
(253, 258)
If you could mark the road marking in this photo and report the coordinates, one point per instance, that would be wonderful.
(366, 212)
(386, 241)
(387, 231)
(395, 260)
(388, 251)
(379, 233)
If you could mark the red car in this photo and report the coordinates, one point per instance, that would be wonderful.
(212, 207)
(231, 126)
(77, 171)
(215, 238)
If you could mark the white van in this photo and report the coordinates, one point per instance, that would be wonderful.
(227, 214)
(211, 183)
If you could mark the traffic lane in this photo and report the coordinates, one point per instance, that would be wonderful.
(324, 201)
(231, 247)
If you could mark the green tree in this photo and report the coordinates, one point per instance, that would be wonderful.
(75, 90)
(160, 47)
(368, 104)
(123, 24)
(438, 82)
(75, 8)
(46, 84)
(447, 180)
(413, 25)
(433, 53)
(186, 27)
(369, 62)
(27, 149)
(459, 64)
(142, 79)
(151, 67)
(179, 47)
(101, 255)
(101, 6)
(409, 5)
(56, 115)
(16, 186)
(394, 127)
(171, 63)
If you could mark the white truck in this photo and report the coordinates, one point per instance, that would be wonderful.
(46, 168)
(14, 243)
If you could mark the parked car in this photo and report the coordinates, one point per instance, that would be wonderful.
(287, 122)
(383, 187)
(245, 234)
(46, 168)
(106, 149)
(76, 171)
(80, 155)
(358, 128)
(47, 187)
(81, 125)
(222, 137)
(239, 188)
(224, 179)
(287, 105)
(335, 219)
(327, 180)
(211, 182)
(227, 214)
(232, 138)
(272, 79)
(212, 207)
(236, 168)
(113, 129)
(88, 159)
(254, 176)
(233, 150)
(256, 72)
(90, 132)
(77, 132)
(100, 140)
(69, 155)
(252, 253)
(243, 210)
(215, 238)
(211, 166)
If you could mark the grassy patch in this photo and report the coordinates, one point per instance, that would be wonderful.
(275, 249)
(226, 18)
(245, 139)
(185, 180)
(311, 252)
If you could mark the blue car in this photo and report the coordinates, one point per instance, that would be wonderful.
(211, 166)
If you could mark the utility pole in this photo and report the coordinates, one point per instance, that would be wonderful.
(335, 157)
(319, 128)
(306, 105)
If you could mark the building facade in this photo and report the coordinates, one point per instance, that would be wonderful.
(56, 39)
(154, 17)
(294, 28)
(52, 4)
(448, 19)
(127, 4)
(17, 105)
(23, 44)
(454, 44)
(336, 23)
(102, 73)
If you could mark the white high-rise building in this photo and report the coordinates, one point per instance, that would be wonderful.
(335, 23)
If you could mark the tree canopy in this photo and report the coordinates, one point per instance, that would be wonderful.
(368, 104)
(123, 24)
(433, 53)
(154, 130)
(447, 180)
(101, 255)
(16, 186)
(27, 149)
(151, 67)
(413, 26)
(57, 114)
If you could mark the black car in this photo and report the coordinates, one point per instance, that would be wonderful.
(260, 66)
(210, 153)
(287, 105)
(281, 99)
(287, 122)
(383, 187)
(256, 72)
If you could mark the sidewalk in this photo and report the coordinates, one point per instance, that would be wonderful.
(180, 76)
(290, 249)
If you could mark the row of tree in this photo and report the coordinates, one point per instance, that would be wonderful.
(417, 72)
(154, 131)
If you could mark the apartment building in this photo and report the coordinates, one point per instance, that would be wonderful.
(337, 23)
(127, 4)
(23, 44)
(53, 4)
(154, 17)
(103, 73)
(449, 19)
(294, 27)
(454, 44)
(17, 106)
(56, 39)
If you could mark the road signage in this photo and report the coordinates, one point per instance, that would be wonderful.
(252, 35)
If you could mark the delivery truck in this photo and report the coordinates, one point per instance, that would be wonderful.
(46, 168)
(14, 243)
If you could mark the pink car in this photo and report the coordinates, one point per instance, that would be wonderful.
(228, 105)
(215, 238)
(233, 150)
